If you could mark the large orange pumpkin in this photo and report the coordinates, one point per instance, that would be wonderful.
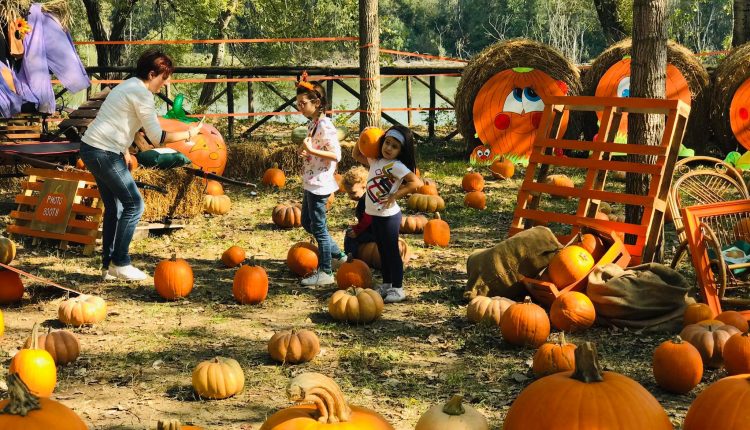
(321, 406)
(525, 324)
(11, 287)
(616, 83)
(572, 311)
(725, 404)
(569, 265)
(302, 258)
(586, 398)
(677, 365)
(207, 150)
(36, 367)
(739, 114)
(250, 285)
(287, 215)
(733, 318)
(476, 200)
(173, 278)
(23, 410)
(508, 109)
(369, 142)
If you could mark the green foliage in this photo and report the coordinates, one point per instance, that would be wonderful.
(701, 25)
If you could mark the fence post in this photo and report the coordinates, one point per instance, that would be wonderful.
(329, 94)
(250, 107)
(408, 101)
(369, 64)
(230, 108)
(431, 117)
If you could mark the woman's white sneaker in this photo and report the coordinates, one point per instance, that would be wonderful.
(127, 273)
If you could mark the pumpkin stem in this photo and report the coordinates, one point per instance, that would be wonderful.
(562, 339)
(168, 425)
(526, 300)
(437, 215)
(587, 368)
(35, 336)
(21, 400)
(324, 393)
(174, 257)
(454, 406)
(677, 339)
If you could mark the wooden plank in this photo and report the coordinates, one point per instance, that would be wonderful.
(60, 174)
(581, 145)
(83, 224)
(27, 200)
(553, 217)
(622, 104)
(84, 114)
(77, 238)
(598, 164)
(88, 192)
(584, 193)
(86, 210)
(75, 122)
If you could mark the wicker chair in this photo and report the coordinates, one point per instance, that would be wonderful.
(701, 180)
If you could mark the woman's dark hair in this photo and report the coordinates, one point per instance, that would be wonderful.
(407, 153)
(316, 93)
(153, 61)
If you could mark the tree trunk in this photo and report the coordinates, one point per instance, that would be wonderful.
(109, 55)
(647, 80)
(612, 26)
(741, 29)
(369, 64)
(217, 56)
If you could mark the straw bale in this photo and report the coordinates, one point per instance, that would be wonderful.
(10, 187)
(677, 55)
(729, 75)
(505, 55)
(184, 198)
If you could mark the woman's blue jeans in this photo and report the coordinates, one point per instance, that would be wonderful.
(123, 204)
(314, 222)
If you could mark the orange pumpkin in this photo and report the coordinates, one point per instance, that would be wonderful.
(82, 310)
(736, 354)
(572, 311)
(508, 109)
(733, 318)
(476, 200)
(723, 405)
(133, 164)
(369, 142)
(559, 181)
(36, 367)
(696, 312)
(525, 324)
(214, 188)
(173, 278)
(302, 258)
(593, 244)
(23, 410)
(207, 150)
(219, 378)
(677, 365)
(340, 180)
(11, 287)
(480, 156)
(250, 285)
(428, 189)
(274, 177)
(287, 215)
(368, 252)
(554, 358)
(294, 346)
(586, 398)
(80, 165)
(437, 232)
(502, 168)
(739, 114)
(472, 181)
(709, 338)
(233, 256)
(321, 406)
(7, 250)
(62, 345)
(490, 309)
(616, 83)
(354, 273)
(569, 265)
(412, 224)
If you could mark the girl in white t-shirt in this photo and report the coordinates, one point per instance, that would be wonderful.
(391, 177)
(321, 153)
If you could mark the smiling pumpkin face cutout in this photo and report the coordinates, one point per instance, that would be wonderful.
(616, 83)
(207, 150)
(739, 114)
(508, 109)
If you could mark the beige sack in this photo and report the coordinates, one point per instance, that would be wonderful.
(497, 271)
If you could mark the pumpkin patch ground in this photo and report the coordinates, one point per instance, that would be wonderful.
(135, 366)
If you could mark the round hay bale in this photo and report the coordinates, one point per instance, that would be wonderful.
(730, 90)
(609, 64)
(519, 54)
(184, 198)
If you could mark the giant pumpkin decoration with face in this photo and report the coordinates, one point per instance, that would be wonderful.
(616, 83)
(508, 109)
(207, 150)
(739, 114)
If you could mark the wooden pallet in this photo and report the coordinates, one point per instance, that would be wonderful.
(591, 193)
(82, 225)
(21, 128)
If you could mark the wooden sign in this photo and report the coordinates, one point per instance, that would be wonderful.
(55, 203)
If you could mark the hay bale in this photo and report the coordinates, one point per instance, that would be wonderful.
(184, 198)
(729, 75)
(506, 55)
(10, 187)
(679, 56)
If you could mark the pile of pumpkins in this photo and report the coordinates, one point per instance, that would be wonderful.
(215, 202)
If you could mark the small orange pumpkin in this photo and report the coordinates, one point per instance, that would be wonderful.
(412, 224)
(572, 311)
(709, 338)
(369, 142)
(80, 165)
(593, 244)
(476, 200)
(82, 310)
(302, 258)
(35, 367)
(490, 309)
(695, 313)
(62, 345)
(7, 250)
(287, 215)
(368, 252)
(428, 189)
(554, 357)
(274, 177)
(525, 324)
(219, 378)
(569, 265)
(294, 346)
(736, 354)
(11, 287)
(472, 181)
(250, 284)
(133, 164)
(677, 365)
(354, 273)
(173, 278)
(502, 168)
(733, 318)
(437, 232)
(214, 188)
(233, 256)
(559, 181)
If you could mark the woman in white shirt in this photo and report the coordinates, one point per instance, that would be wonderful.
(104, 149)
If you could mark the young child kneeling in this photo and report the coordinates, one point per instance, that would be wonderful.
(354, 182)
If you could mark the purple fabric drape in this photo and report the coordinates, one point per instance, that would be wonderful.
(10, 102)
(49, 48)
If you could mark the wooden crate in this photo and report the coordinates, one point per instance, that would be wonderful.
(598, 164)
(21, 128)
(82, 226)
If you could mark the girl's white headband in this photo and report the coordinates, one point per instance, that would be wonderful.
(396, 135)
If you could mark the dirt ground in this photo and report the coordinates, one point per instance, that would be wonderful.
(136, 366)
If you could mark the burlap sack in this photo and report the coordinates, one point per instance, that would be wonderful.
(646, 296)
(497, 271)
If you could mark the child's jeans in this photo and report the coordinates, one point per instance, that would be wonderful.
(385, 230)
(314, 221)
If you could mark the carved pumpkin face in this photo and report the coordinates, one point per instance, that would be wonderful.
(508, 109)
(207, 150)
(481, 156)
(739, 114)
(616, 83)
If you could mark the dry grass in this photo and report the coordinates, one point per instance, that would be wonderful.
(136, 365)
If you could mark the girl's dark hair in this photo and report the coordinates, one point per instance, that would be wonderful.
(317, 93)
(407, 153)
(153, 61)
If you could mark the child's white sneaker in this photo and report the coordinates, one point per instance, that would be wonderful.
(394, 295)
(106, 276)
(337, 262)
(318, 279)
(127, 273)
(382, 289)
